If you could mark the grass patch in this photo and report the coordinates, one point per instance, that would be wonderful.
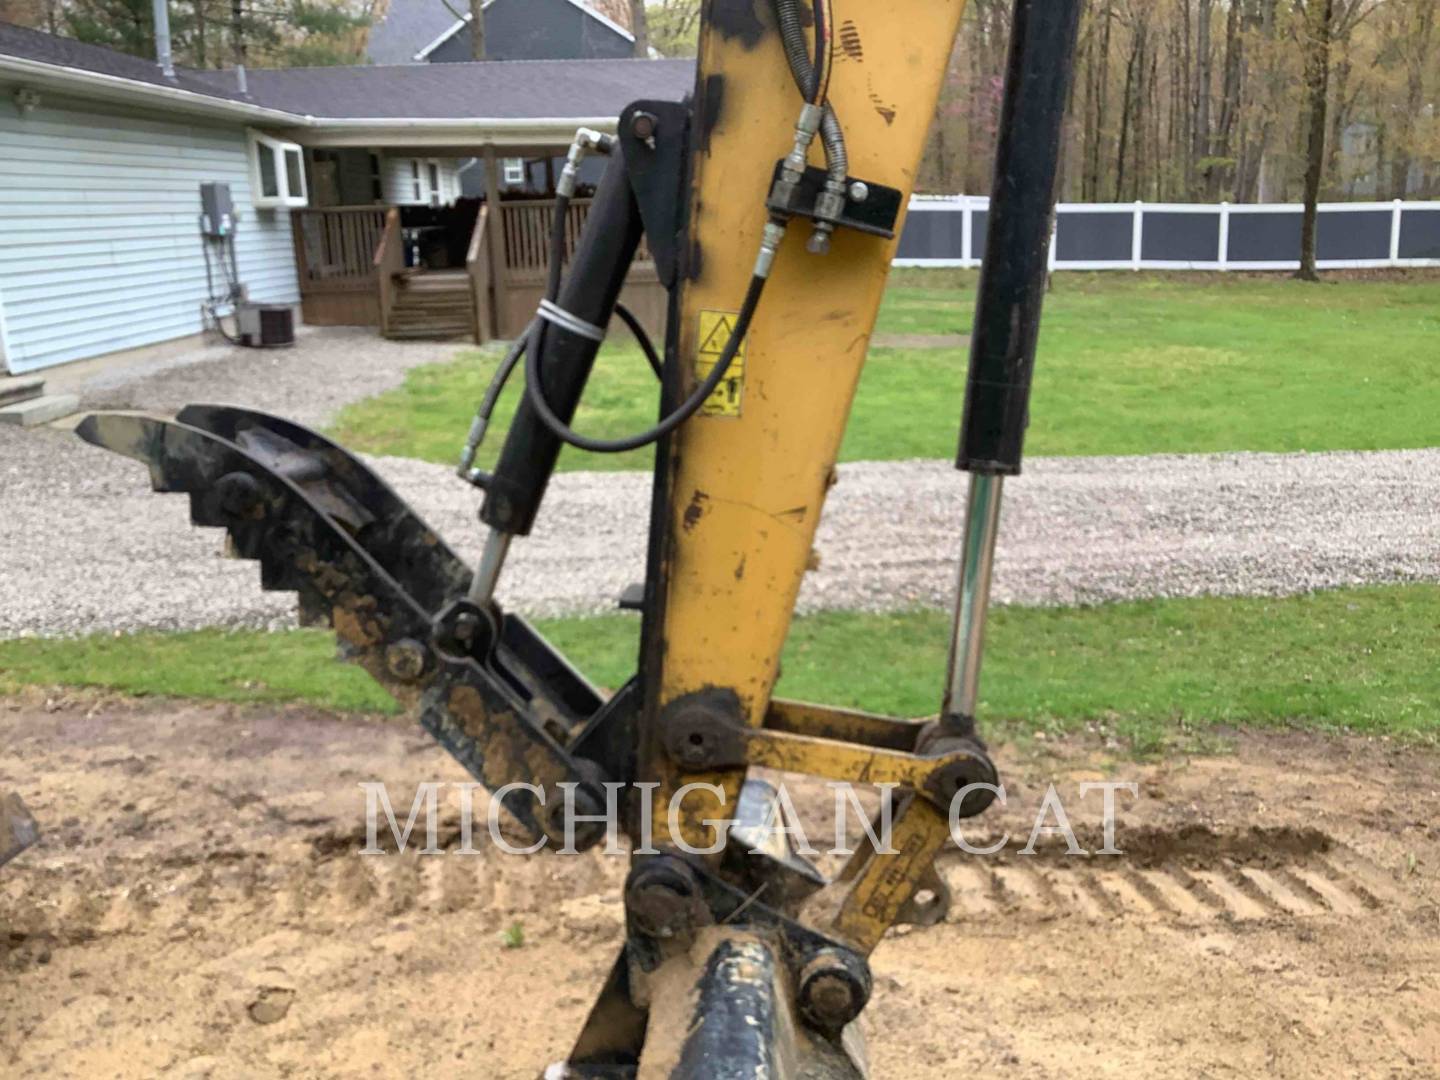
(1349, 660)
(1129, 364)
(244, 666)
(427, 417)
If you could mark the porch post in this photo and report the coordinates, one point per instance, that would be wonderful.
(496, 244)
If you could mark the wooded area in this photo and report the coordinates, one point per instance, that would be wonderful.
(1210, 100)
(214, 33)
(1175, 100)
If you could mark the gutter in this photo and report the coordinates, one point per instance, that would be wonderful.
(115, 87)
(497, 131)
(501, 131)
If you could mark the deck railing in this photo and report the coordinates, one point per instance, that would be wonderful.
(388, 259)
(347, 258)
(477, 265)
(525, 228)
(339, 241)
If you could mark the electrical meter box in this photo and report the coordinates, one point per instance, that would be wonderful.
(217, 210)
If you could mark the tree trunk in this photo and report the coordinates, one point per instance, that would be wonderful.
(1200, 150)
(1127, 110)
(201, 60)
(1319, 16)
(640, 27)
(1230, 97)
(477, 29)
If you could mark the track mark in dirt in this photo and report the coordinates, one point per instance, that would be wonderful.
(1189, 875)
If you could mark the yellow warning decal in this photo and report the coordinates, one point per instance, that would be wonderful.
(716, 329)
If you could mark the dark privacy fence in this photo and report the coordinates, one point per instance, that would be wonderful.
(950, 231)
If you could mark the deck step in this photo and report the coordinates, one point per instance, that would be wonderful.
(20, 388)
(41, 410)
(433, 305)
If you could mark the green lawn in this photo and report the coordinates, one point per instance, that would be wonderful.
(1154, 672)
(1129, 364)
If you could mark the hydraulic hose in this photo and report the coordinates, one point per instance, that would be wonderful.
(643, 338)
(688, 408)
(813, 80)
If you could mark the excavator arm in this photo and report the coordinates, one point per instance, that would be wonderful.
(771, 203)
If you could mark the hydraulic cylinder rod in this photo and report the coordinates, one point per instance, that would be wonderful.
(592, 287)
(1007, 313)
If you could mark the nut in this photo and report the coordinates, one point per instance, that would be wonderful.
(406, 660)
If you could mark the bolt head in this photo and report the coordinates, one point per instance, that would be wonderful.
(643, 125)
(819, 243)
(239, 494)
(406, 660)
(859, 191)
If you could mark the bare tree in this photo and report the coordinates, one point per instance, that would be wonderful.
(1413, 40)
(477, 29)
(1319, 27)
(640, 27)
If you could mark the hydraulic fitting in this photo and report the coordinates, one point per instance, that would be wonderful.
(769, 245)
(829, 207)
(586, 141)
(792, 169)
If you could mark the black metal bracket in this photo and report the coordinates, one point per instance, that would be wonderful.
(654, 139)
(876, 214)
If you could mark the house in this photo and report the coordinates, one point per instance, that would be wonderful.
(104, 154)
(430, 31)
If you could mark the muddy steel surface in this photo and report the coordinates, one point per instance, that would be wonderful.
(198, 907)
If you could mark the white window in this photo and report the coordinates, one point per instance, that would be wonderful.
(514, 171)
(277, 172)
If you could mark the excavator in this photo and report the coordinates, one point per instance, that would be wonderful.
(770, 201)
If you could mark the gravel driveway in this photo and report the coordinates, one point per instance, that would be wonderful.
(329, 367)
(85, 546)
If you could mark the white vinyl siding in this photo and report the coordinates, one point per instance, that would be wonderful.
(398, 179)
(100, 246)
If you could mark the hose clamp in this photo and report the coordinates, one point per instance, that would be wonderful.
(554, 314)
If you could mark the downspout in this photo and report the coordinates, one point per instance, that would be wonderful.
(162, 38)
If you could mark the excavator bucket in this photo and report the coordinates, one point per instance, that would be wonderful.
(321, 524)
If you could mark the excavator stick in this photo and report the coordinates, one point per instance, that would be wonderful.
(740, 957)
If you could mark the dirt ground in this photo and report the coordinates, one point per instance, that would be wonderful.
(198, 908)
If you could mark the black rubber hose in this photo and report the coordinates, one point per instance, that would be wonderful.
(503, 373)
(797, 49)
(832, 134)
(685, 411)
(824, 54)
(646, 345)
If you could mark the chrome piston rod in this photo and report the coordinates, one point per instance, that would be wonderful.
(972, 599)
(492, 561)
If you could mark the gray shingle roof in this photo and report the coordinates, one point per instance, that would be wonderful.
(26, 44)
(408, 26)
(492, 90)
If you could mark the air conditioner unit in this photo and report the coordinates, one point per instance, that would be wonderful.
(266, 326)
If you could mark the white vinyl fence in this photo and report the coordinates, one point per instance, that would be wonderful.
(950, 231)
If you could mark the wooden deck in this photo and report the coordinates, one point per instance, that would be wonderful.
(352, 273)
